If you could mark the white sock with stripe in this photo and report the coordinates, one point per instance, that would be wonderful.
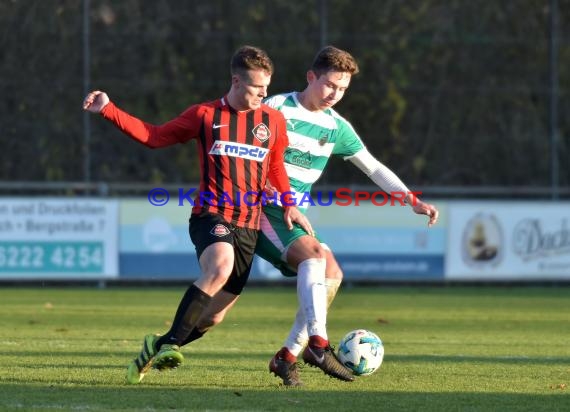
(298, 336)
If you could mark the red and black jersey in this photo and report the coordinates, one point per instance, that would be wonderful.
(238, 151)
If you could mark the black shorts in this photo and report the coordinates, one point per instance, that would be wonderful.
(206, 229)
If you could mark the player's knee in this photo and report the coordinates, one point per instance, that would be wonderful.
(316, 251)
(303, 249)
(219, 278)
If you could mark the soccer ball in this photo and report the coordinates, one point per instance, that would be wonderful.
(361, 351)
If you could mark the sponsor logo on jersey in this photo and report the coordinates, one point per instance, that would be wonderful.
(261, 132)
(245, 151)
(220, 230)
(298, 158)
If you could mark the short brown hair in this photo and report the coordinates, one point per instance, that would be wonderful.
(331, 58)
(250, 58)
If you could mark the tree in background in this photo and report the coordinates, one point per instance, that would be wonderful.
(450, 93)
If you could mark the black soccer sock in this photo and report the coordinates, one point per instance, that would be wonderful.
(195, 334)
(189, 311)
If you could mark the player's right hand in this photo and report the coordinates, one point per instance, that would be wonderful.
(293, 215)
(422, 208)
(95, 101)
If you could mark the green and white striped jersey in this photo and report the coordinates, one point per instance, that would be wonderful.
(313, 138)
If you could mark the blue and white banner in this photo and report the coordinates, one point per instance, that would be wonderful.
(58, 238)
(370, 242)
(154, 241)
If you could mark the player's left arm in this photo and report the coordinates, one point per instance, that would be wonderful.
(387, 180)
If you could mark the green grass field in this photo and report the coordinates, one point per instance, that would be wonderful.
(447, 349)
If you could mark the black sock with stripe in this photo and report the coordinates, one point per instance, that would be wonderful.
(189, 311)
(194, 335)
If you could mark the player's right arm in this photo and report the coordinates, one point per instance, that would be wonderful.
(387, 180)
(351, 148)
(178, 130)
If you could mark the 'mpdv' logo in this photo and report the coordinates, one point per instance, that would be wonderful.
(244, 151)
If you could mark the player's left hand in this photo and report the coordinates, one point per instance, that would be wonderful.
(422, 208)
(294, 215)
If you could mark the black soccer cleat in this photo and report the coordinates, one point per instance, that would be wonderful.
(288, 371)
(326, 360)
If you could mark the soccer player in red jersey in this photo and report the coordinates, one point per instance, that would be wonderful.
(240, 143)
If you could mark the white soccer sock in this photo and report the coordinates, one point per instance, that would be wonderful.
(299, 336)
(312, 295)
(332, 289)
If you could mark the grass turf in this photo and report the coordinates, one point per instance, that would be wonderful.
(447, 349)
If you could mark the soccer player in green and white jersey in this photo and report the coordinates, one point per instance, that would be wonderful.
(316, 132)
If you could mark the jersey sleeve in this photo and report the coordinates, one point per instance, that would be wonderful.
(348, 143)
(276, 173)
(178, 130)
(275, 101)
